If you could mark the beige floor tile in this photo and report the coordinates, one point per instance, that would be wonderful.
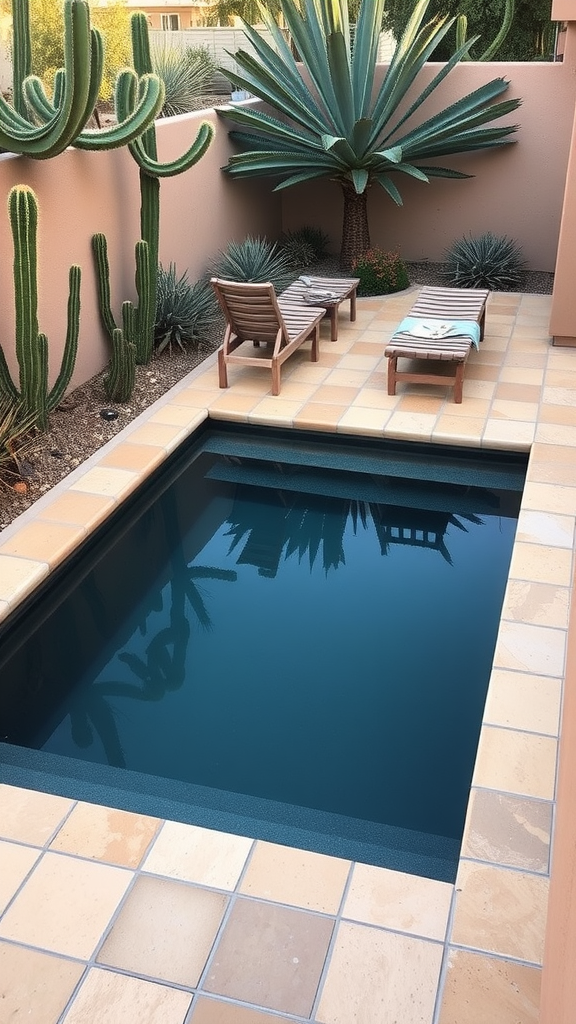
(34, 987)
(276, 411)
(174, 415)
(86, 510)
(352, 378)
(65, 905)
(297, 390)
(136, 457)
(508, 434)
(554, 433)
(518, 394)
(199, 399)
(431, 404)
(319, 416)
(521, 701)
(565, 415)
(480, 988)
(271, 956)
(198, 855)
(228, 402)
(165, 930)
(411, 425)
(545, 528)
(210, 1010)
(44, 542)
(500, 911)
(537, 603)
(18, 577)
(458, 429)
(507, 410)
(516, 762)
(515, 374)
(392, 899)
(558, 396)
(106, 834)
(15, 863)
(338, 395)
(108, 998)
(480, 388)
(314, 373)
(483, 372)
(298, 877)
(376, 976)
(164, 435)
(549, 497)
(375, 398)
(530, 648)
(359, 362)
(109, 482)
(30, 817)
(561, 378)
(364, 421)
(508, 830)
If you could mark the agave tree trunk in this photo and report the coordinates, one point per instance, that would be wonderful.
(355, 233)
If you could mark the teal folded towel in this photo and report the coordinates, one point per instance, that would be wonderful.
(437, 329)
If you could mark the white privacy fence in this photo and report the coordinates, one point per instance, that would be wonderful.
(221, 42)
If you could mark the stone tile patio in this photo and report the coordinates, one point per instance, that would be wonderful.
(109, 916)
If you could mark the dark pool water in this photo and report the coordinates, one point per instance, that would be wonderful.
(297, 637)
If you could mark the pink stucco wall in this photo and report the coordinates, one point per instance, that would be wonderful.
(516, 191)
(80, 193)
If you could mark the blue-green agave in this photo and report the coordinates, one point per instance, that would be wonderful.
(338, 125)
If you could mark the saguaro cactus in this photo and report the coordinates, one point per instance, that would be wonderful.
(144, 151)
(33, 396)
(494, 46)
(39, 127)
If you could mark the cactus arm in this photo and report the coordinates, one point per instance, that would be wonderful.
(130, 128)
(47, 140)
(71, 346)
(8, 388)
(21, 53)
(39, 406)
(119, 382)
(183, 163)
(503, 32)
(100, 251)
(23, 212)
(146, 286)
(461, 31)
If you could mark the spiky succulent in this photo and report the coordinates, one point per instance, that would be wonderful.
(256, 260)
(487, 261)
(183, 311)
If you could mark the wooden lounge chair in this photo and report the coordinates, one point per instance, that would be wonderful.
(254, 315)
(443, 324)
(341, 288)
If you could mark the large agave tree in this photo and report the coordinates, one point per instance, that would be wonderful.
(335, 124)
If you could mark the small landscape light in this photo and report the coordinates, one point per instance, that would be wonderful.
(109, 414)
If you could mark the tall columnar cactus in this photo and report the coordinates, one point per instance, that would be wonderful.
(144, 151)
(494, 46)
(33, 397)
(39, 127)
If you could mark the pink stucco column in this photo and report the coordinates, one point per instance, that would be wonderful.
(563, 315)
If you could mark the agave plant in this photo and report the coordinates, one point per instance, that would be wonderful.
(339, 126)
(255, 260)
(183, 311)
(488, 261)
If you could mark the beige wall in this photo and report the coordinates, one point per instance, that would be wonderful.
(81, 193)
(517, 191)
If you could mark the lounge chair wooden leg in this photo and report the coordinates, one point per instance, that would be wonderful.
(275, 377)
(392, 361)
(353, 306)
(333, 314)
(459, 383)
(222, 371)
(315, 350)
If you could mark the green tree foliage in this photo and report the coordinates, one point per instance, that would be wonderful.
(530, 38)
(47, 23)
